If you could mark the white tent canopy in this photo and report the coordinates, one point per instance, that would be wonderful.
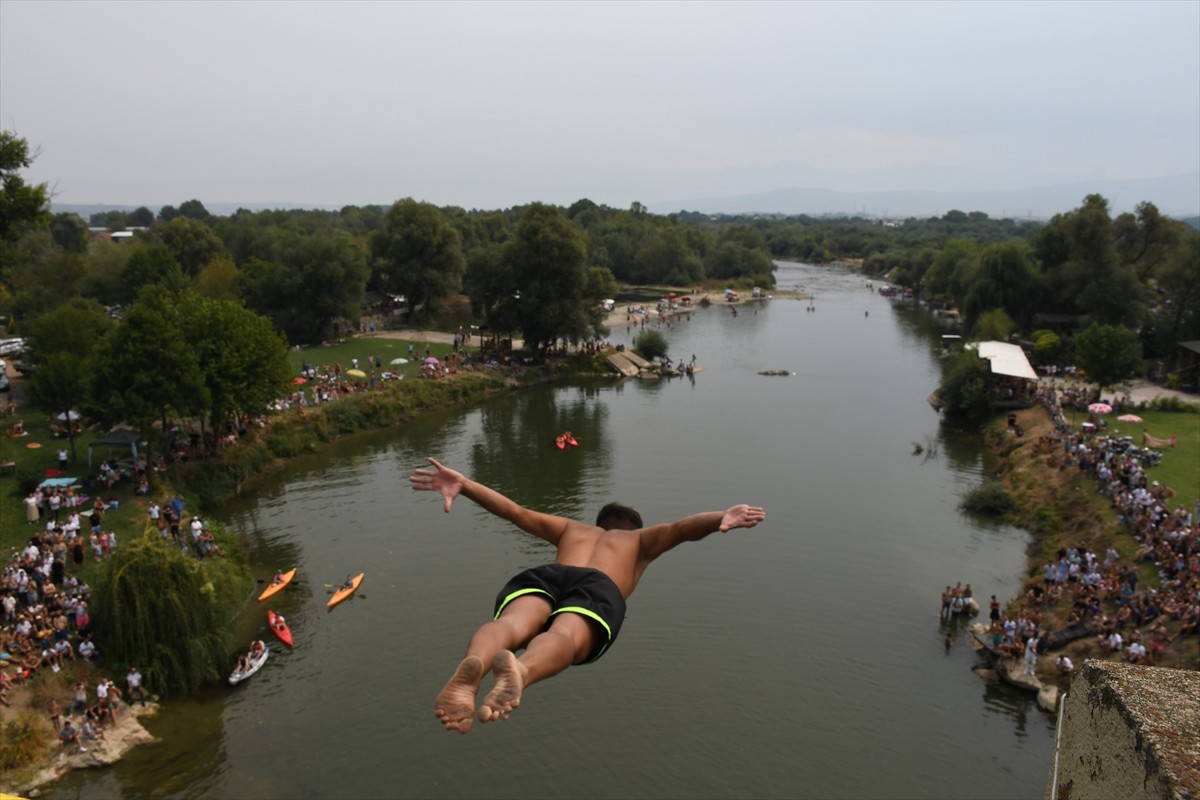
(1006, 359)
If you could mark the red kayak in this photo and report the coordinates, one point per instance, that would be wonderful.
(280, 627)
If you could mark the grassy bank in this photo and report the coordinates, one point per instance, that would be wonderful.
(1061, 508)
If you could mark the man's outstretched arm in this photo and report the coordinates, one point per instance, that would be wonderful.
(451, 483)
(658, 539)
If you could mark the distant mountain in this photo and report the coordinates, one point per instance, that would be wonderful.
(1177, 196)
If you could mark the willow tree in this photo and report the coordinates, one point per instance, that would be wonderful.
(168, 612)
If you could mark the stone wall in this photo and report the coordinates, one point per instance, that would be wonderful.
(1128, 732)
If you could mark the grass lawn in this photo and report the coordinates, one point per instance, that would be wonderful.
(363, 346)
(31, 463)
(1180, 465)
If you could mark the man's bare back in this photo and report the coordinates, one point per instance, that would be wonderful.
(562, 615)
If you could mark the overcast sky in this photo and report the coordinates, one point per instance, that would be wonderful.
(490, 105)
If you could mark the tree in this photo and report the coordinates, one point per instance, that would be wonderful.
(1005, 280)
(70, 232)
(317, 280)
(1082, 272)
(192, 243)
(62, 345)
(20, 203)
(546, 260)
(193, 209)
(1108, 353)
(242, 358)
(1176, 317)
(417, 254)
(182, 639)
(150, 264)
(1144, 240)
(133, 359)
(1047, 345)
(141, 217)
(994, 325)
(965, 385)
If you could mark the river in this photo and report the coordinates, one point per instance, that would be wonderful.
(803, 658)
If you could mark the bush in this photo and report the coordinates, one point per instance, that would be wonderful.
(22, 743)
(990, 497)
(650, 344)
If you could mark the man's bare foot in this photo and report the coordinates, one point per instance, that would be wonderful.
(455, 704)
(506, 694)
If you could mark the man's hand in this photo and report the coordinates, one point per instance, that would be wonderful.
(740, 516)
(440, 479)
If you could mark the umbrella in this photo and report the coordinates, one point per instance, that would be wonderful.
(356, 373)
(299, 381)
(73, 415)
(1129, 418)
(431, 360)
(1099, 408)
(399, 361)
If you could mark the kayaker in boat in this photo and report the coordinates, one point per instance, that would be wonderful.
(278, 579)
(348, 583)
(564, 613)
(280, 622)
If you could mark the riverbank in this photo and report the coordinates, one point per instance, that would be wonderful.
(1061, 506)
(28, 717)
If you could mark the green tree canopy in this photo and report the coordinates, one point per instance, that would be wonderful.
(417, 254)
(546, 260)
(1108, 353)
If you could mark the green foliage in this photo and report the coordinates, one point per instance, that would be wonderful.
(192, 243)
(650, 344)
(1108, 353)
(417, 254)
(1048, 520)
(989, 497)
(965, 383)
(169, 612)
(994, 325)
(23, 742)
(546, 261)
(1047, 344)
(20, 203)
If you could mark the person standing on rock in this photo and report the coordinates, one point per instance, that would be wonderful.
(133, 681)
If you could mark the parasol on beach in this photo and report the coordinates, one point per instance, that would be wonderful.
(1129, 418)
(299, 380)
(1099, 408)
(356, 373)
(431, 360)
(72, 415)
(398, 361)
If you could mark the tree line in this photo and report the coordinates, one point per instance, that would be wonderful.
(540, 271)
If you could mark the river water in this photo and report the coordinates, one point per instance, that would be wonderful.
(803, 658)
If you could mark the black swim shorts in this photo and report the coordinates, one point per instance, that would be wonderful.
(578, 590)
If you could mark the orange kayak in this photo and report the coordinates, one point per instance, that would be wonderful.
(278, 587)
(345, 591)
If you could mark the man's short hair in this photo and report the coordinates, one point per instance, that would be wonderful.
(615, 516)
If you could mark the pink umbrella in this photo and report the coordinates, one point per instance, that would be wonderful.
(1129, 418)
(431, 360)
(1099, 408)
